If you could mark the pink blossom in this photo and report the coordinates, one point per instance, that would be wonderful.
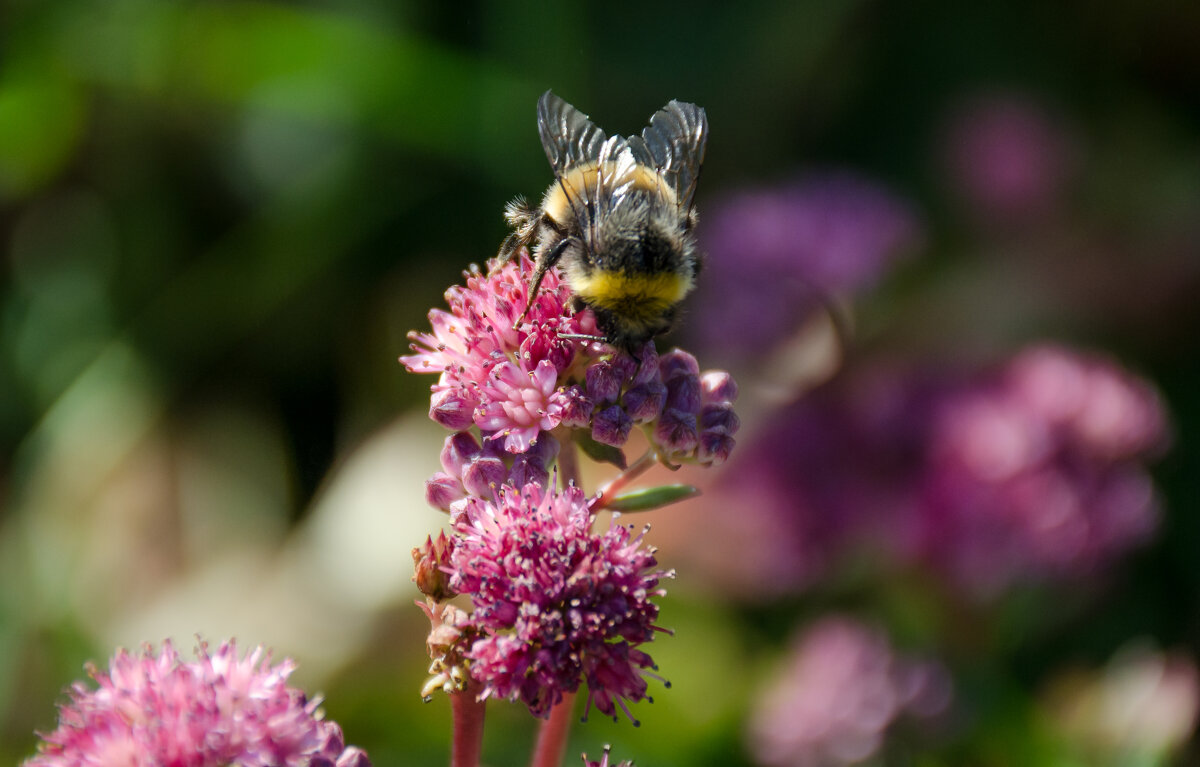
(152, 710)
(555, 603)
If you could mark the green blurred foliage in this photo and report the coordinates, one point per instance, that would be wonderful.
(244, 206)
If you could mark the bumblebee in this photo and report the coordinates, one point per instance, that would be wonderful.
(618, 218)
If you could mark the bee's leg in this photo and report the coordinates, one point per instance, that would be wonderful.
(524, 221)
(545, 262)
(511, 244)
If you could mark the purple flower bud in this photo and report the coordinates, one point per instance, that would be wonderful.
(482, 476)
(645, 401)
(683, 394)
(442, 489)
(353, 757)
(676, 431)
(648, 370)
(715, 448)
(526, 470)
(604, 380)
(719, 419)
(677, 362)
(543, 452)
(611, 426)
(572, 406)
(459, 449)
(452, 409)
(718, 387)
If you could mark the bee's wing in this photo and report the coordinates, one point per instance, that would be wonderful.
(568, 136)
(570, 140)
(673, 143)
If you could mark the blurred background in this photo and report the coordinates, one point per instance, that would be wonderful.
(957, 246)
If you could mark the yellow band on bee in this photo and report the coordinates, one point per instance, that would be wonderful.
(637, 296)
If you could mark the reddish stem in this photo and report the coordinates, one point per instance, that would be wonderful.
(552, 734)
(468, 727)
(623, 480)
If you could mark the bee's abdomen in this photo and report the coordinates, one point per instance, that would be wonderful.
(637, 296)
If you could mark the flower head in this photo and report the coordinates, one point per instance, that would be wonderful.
(1030, 472)
(555, 603)
(151, 710)
(518, 385)
(842, 688)
(493, 374)
(774, 254)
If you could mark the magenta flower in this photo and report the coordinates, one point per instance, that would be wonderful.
(1036, 471)
(517, 404)
(841, 690)
(1008, 158)
(1028, 473)
(515, 386)
(555, 603)
(153, 710)
(775, 254)
(489, 373)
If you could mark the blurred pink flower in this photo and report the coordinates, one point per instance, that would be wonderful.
(1029, 472)
(152, 710)
(1007, 158)
(841, 689)
(775, 254)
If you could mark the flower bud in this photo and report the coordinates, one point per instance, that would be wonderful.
(428, 563)
(720, 419)
(572, 406)
(482, 476)
(458, 450)
(645, 401)
(611, 426)
(604, 380)
(676, 432)
(442, 489)
(718, 387)
(683, 394)
(452, 409)
(677, 362)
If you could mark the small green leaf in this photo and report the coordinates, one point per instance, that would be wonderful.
(652, 498)
(600, 452)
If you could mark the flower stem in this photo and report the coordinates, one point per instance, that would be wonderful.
(468, 728)
(552, 735)
(623, 480)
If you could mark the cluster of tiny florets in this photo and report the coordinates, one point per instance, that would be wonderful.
(516, 385)
(554, 604)
(557, 603)
(150, 710)
(496, 373)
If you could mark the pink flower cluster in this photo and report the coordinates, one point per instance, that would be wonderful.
(842, 688)
(151, 710)
(518, 384)
(1030, 472)
(1037, 471)
(556, 602)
